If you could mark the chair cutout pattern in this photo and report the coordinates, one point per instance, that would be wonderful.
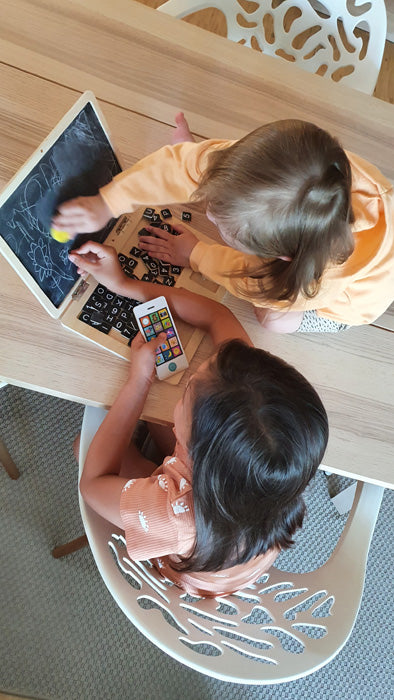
(320, 37)
(279, 629)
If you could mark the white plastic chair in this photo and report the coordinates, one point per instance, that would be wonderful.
(279, 28)
(282, 628)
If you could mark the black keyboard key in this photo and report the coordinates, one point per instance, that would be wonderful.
(152, 265)
(100, 304)
(84, 316)
(131, 264)
(119, 326)
(156, 220)
(125, 316)
(129, 333)
(148, 277)
(130, 304)
(100, 290)
(114, 310)
(133, 324)
(105, 327)
(135, 252)
(169, 281)
(95, 297)
(145, 258)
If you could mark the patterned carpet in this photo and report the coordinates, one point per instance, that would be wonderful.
(62, 637)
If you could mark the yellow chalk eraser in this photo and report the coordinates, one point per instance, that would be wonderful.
(60, 236)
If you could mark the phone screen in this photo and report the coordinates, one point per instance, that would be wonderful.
(158, 322)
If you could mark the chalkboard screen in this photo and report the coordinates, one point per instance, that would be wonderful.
(78, 162)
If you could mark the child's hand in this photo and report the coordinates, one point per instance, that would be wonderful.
(167, 247)
(102, 262)
(82, 215)
(143, 358)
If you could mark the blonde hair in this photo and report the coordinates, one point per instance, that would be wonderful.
(283, 190)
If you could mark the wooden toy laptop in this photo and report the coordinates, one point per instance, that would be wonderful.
(76, 159)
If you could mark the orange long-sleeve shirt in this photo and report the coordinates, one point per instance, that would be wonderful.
(356, 292)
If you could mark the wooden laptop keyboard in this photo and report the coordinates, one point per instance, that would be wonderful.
(105, 310)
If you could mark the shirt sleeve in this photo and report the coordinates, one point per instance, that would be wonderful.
(157, 512)
(168, 175)
(220, 264)
(149, 530)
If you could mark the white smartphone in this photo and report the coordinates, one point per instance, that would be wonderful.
(154, 317)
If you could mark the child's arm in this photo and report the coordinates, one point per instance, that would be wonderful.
(216, 262)
(100, 483)
(216, 319)
(168, 175)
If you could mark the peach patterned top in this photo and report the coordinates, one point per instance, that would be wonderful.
(158, 517)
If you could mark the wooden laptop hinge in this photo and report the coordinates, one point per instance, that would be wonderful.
(82, 287)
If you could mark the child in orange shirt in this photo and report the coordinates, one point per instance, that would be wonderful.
(309, 229)
(250, 432)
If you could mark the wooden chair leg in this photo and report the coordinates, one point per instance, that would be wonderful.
(7, 462)
(73, 546)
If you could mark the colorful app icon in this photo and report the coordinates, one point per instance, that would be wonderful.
(145, 321)
(176, 351)
(159, 359)
(166, 322)
(167, 354)
(163, 313)
(170, 332)
(158, 327)
(154, 317)
(149, 331)
(164, 346)
(173, 341)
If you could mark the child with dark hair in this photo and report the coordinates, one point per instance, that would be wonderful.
(309, 228)
(249, 434)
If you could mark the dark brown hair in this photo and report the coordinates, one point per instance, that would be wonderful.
(283, 190)
(259, 432)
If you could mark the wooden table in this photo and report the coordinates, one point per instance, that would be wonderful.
(144, 66)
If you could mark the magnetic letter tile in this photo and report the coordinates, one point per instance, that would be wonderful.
(135, 252)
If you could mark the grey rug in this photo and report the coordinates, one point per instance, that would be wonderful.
(62, 637)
